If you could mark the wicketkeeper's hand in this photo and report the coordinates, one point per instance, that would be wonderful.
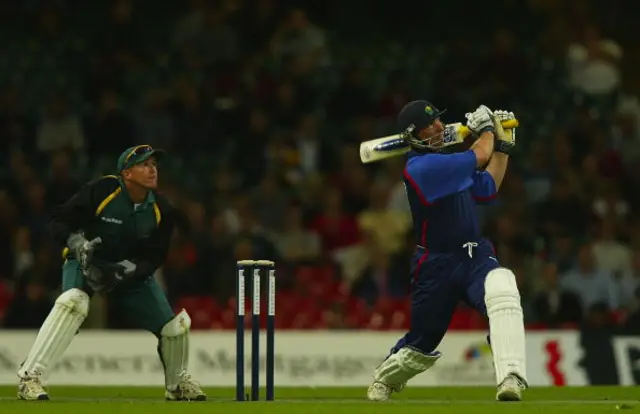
(105, 276)
(480, 120)
(82, 248)
(505, 138)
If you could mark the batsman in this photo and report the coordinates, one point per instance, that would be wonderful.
(452, 260)
(115, 233)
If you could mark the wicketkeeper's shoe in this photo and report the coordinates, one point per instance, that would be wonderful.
(31, 389)
(187, 390)
(510, 389)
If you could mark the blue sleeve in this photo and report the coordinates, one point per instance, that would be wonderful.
(484, 187)
(435, 176)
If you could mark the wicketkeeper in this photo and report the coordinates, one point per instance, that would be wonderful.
(453, 261)
(115, 233)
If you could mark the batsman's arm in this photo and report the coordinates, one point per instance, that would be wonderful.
(497, 167)
(80, 209)
(483, 148)
(153, 253)
(435, 176)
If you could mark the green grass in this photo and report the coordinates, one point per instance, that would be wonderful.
(468, 400)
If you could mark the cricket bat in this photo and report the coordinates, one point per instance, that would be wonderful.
(394, 145)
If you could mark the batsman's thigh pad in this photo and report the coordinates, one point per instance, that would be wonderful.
(67, 315)
(506, 323)
(174, 347)
(405, 364)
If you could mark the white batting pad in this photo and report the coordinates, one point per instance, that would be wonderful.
(69, 312)
(405, 364)
(506, 324)
(174, 348)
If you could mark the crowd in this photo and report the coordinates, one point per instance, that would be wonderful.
(262, 107)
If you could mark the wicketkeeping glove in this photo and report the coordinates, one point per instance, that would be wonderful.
(82, 249)
(505, 138)
(105, 276)
(480, 120)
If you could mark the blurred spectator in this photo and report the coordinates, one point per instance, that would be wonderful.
(296, 35)
(61, 184)
(608, 202)
(562, 252)
(553, 305)
(503, 82)
(538, 175)
(630, 284)
(268, 201)
(380, 279)
(154, 125)
(387, 228)
(295, 244)
(337, 229)
(30, 307)
(59, 128)
(110, 129)
(626, 130)
(598, 317)
(592, 284)
(610, 254)
(561, 211)
(594, 63)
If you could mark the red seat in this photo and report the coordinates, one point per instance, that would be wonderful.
(6, 296)
(305, 275)
(536, 326)
(399, 320)
(461, 319)
(203, 310)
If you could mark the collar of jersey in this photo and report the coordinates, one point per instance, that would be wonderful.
(149, 201)
(414, 153)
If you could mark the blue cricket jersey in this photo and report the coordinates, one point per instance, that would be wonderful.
(443, 190)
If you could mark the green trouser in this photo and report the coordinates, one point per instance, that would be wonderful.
(143, 301)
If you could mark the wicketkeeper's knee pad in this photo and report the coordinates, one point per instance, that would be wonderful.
(174, 347)
(506, 325)
(75, 300)
(405, 364)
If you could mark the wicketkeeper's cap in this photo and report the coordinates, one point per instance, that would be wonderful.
(135, 155)
(420, 114)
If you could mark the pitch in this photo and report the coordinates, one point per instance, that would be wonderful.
(468, 400)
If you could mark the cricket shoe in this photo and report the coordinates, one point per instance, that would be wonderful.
(187, 390)
(381, 392)
(510, 389)
(30, 389)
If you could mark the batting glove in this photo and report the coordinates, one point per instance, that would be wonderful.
(480, 120)
(505, 138)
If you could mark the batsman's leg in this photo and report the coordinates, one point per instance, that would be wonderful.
(55, 335)
(148, 308)
(433, 302)
(497, 296)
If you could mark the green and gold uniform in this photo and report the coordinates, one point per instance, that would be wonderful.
(139, 233)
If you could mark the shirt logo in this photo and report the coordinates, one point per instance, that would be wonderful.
(111, 220)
